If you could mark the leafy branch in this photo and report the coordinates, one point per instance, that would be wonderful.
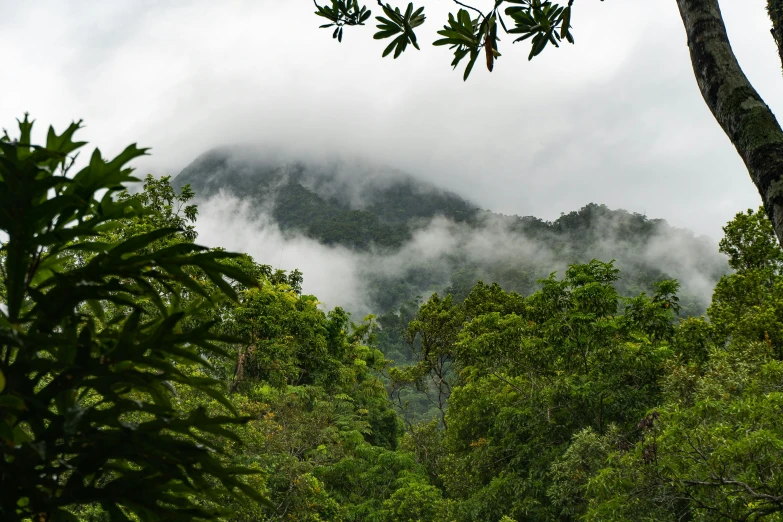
(543, 22)
(342, 13)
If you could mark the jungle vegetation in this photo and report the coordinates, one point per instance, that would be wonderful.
(146, 378)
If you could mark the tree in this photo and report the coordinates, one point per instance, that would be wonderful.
(711, 450)
(739, 110)
(748, 304)
(94, 343)
(523, 377)
(431, 334)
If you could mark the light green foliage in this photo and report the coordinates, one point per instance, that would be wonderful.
(713, 452)
(574, 403)
(534, 373)
(748, 304)
(570, 472)
(750, 243)
(324, 433)
(713, 449)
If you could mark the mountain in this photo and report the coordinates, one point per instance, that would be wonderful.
(412, 238)
(327, 202)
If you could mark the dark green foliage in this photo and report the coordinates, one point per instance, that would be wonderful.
(343, 13)
(566, 402)
(92, 346)
(543, 21)
(313, 201)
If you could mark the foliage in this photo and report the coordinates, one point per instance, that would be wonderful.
(543, 22)
(712, 449)
(535, 372)
(575, 403)
(91, 345)
(568, 402)
(316, 203)
(748, 305)
(168, 209)
(291, 192)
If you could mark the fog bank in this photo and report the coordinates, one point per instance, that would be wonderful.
(339, 276)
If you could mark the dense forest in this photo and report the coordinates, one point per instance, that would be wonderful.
(143, 377)
(414, 238)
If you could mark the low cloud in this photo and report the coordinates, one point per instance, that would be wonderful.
(331, 273)
(352, 279)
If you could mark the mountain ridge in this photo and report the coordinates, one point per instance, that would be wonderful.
(418, 239)
(311, 198)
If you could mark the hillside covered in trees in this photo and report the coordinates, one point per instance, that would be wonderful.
(413, 238)
(143, 377)
(462, 365)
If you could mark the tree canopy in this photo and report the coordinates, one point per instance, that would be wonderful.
(145, 378)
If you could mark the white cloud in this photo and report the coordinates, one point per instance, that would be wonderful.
(616, 119)
(339, 276)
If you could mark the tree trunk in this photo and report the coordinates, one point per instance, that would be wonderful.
(740, 111)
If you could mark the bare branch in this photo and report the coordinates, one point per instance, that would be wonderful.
(470, 7)
(720, 481)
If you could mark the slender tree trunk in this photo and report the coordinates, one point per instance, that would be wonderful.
(745, 118)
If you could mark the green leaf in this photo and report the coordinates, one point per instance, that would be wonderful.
(565, 22)
(137, 243)
(473, 55)
(539, 43)
(390, 47)
(380, 35)
(464, 19)
(11, 401)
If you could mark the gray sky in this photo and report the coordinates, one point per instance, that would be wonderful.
(616, 119)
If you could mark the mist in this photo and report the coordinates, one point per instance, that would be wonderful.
(330, 273)
(340, 276)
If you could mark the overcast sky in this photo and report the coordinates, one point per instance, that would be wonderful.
(616, 119)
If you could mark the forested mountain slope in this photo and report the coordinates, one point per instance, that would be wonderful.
(327, 202)
(145, 377)
(415, 238)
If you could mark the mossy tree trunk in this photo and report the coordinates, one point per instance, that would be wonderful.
(745, 118)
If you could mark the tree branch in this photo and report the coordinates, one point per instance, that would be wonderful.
(469, 7)
(720, 481)
(745, 118)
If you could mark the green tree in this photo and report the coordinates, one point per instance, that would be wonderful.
(92, 347)
(748, 304)
(525, 376)
(472, 32)
(712, 449)
(432, 334)
(711, 452)
(165, 209)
